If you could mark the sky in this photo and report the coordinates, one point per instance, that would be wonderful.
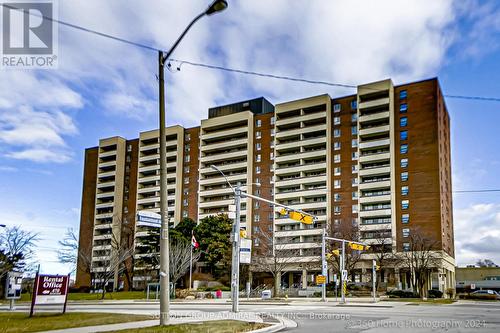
(104, 88)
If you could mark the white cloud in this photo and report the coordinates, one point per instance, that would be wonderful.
(477, 233)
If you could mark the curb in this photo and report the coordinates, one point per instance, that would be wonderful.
(365, 306)
(281, 325)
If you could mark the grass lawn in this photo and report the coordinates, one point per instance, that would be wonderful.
(15, 322)
(93, 297)
(216, 326)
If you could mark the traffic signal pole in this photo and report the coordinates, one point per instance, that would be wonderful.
(323, 265)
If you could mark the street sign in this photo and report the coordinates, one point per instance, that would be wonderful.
(344, 275)
(358, 247)
(320, 279)
(50, 289)
(147, 218)
(245, 251)
(306, 219)
(13, 285)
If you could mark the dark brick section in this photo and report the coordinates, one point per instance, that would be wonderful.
(426, 163)
(87, 214)
(190, 170)
(263, 210)
(345, 217)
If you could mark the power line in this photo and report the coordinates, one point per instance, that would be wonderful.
(233, 70)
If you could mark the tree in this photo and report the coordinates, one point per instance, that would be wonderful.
(113, 265)
(420, 258)
(384, 256)
(486, 263)
(213, 233)
(273, 257)
(180, 259)
(352, 257)
(68, 251)
(17, 247)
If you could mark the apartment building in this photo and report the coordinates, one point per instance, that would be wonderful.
(375, 163)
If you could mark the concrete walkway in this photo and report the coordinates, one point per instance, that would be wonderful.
(276, 324)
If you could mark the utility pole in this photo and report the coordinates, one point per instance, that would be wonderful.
(323, 265)
(344, 275)
(235, 271)
(374, 279)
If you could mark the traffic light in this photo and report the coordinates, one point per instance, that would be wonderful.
(377, 267)
(333, 253)
(243, 233)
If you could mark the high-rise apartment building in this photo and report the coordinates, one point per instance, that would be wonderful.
(376, 162)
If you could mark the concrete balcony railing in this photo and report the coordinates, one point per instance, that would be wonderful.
(374, 130)
(375, 213)
(374, 116)
(374, 185)
(225, 144)
(306, 117)
(375, 171)
(375, 143)
(226, 133)
(374, 103)
(302, 130)
(374, 199)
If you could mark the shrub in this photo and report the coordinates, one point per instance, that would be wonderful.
(396, 293)
(433, 293)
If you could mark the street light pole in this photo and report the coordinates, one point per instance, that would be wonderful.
(216, 6)
(235, 271)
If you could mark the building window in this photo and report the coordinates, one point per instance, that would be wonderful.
(271, 156)
(354, 155)
(354, 168)
(187, 137)
(354, 143)
(185, 202)
(403, 121)
(354, 130)
(336, 221)
(354, 181)
(257, 204)
(336, 197)
(187, 158)
(186, 180)
(404, 190)
(354, 117)
(184, 213)
(129, 148)
(403, 149)
(336, 133)
(336, 145)
(336, 210)
(405, 218)
(186, 169)
(336, 158)
(354, 209)
(256, 218)
(271, 167)
(273, 132)
(403, 135)
(405, 204)
(257, 158)
(354, 105)
(187, 148)
(404, 176)
(406, 247)
(273, 120)
(256, 242)
(336, 183)
(336, 108)
(257, 169)
(258, 134)
(336, 120)
(258, 146)
(336, 171)
(403, 108)
(403, 94)
(354, 195)
(258, 123)
(406, 232)
(404, 162)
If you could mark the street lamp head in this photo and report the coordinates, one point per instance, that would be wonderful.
(216, 6)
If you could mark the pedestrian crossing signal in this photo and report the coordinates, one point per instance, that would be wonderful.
(358, 247)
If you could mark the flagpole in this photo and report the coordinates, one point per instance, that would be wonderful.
(191, 263)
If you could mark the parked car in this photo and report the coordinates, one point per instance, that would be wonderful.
(485, 294)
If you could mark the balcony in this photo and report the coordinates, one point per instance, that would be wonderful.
(375, 171)
(374, 143)
(383, 156)
(374, 199)
(374, 227)
(221, 180)
(302, 130)
(225, 167)
(225, 145)
(224, 133)
(224, 156)
(374, 103)
(375, 213)
(374, 130)
(374, 185)
(306, 117)
(374, 117)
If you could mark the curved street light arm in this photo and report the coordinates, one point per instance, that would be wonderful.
(223, 175)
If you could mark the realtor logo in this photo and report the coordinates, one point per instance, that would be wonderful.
(29, 34)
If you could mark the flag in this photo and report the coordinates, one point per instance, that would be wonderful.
(194, 243)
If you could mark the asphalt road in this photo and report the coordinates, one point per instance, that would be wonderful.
(316, 317)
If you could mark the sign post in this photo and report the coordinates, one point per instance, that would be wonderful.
(50, 289)
(245, 251)
(13, 288)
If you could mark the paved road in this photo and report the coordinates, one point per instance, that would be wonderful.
(314, 317)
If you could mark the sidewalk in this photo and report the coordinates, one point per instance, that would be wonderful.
(177, 318)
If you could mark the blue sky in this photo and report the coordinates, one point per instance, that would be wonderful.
(103, 88)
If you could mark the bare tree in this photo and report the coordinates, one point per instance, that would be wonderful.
(180, 259)
(68, 251)
(486, 263)
(113, 265)
(17, 247)
(273, 257)
(352, 257)
(420, 259)
(384, 256)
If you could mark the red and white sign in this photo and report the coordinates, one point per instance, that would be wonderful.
(51, 289)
